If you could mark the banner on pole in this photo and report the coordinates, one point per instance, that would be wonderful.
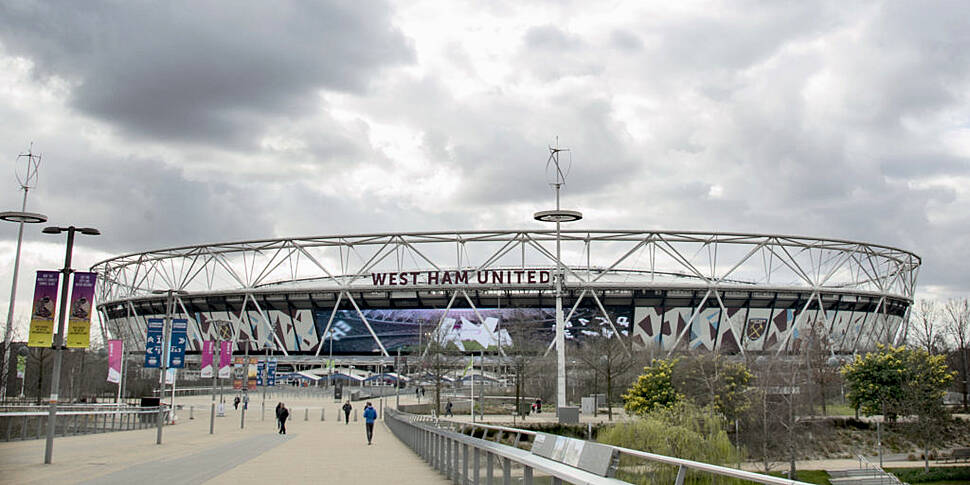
(261, 373)
(244, 372)
(225, 358)
(176, 357)
(42, 316)
(271, 373)
(115, 348)
(21, 366)
(153, 342)
(170, 376)
(79, 323)
(205, 366)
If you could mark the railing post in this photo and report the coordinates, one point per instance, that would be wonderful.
(455, 473)
(464, 464)
(681, 472)
(527, 475)
(476, 466)
(506, 471)
(489, 467)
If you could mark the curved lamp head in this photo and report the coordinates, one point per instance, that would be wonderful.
(24, 217)
(90, 231)
(561, 215)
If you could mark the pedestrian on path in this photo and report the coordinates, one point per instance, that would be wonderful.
(448, 409)
(347, 408)
(282, 415)
(235, 403)
(370, 415)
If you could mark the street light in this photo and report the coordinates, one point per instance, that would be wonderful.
(166, 341)
(559, 216)
(59, 336)
(27, 181)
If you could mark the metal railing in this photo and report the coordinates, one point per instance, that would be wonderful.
(871, 473)
(32, 424)
(446, 444)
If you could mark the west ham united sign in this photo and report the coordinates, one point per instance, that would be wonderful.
(464, 277)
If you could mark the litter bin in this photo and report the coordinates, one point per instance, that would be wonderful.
(149, 402)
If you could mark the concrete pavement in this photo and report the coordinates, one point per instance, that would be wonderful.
(312, 451)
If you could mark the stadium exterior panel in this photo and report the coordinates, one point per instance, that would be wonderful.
(373, 294)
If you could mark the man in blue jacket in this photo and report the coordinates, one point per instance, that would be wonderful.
(370, 415)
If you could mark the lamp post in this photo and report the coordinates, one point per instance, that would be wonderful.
(22, 217)
(558, 216)
(23, 351)
(163, 367)
(59, 336)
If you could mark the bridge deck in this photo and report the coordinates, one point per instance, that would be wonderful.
(312, 451)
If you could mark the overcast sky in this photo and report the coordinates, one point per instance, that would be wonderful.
(174, 123)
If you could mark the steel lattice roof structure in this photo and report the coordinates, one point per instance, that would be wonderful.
(677, 290)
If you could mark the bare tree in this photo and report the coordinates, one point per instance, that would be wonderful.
(957, 314)
(818, 355)
(439, 357)
(610, 359)
(926, 327)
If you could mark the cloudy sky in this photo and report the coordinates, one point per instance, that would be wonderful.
(173, 123)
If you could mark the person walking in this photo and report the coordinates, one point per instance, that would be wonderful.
(370, 415)
(235, 403)
(278, 406)
(448, 409)
(347, 408)
(245, 400)
(282, 414)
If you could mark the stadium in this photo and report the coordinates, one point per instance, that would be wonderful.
(379, 294)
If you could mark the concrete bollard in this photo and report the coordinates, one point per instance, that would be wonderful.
(191, 412)
(321, 414)
(306, 414)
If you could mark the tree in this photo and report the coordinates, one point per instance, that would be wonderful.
(652, 389)
(439, 357)
(609, 358)
(897, 381)
(926, 328)
(682, 429)
(715, 380)
(957, 314)
(820, 359)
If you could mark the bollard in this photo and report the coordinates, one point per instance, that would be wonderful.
(321, 414)
(306, 414)
(191, 412)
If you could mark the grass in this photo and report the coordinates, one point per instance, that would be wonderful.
(819, 477)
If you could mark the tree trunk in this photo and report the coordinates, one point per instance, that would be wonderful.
(609, 393)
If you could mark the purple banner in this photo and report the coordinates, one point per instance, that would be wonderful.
(205, 367)
(115, 349)
(42, 316)
(82, 300)
(225, 358)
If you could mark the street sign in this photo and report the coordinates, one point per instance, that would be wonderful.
(153, 342)
(179, 340)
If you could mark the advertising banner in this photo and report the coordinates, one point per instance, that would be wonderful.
(170, 376)
(79, 321)
(225, 358)
(260, 373)
(205, 366)
(153, 342)
(21, 366)
(271, 373)
(244, 372)
(115, 348)
(176, 353)
(42, 316)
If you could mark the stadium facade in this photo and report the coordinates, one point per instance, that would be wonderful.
(374, 294)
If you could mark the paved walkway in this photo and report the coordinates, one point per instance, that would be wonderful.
(312, 451)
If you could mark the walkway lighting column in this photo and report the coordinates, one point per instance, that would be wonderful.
(59, 335)
(21, 218)
(559, 216)
(166, 342)
(215, 376)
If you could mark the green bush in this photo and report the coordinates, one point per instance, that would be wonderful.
(682, 430)
(917, 475)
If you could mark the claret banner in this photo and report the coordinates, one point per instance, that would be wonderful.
(42, 316)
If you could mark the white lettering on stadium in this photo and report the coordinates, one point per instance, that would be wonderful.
(464, 277)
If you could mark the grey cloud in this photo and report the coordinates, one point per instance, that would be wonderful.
(207, 72)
